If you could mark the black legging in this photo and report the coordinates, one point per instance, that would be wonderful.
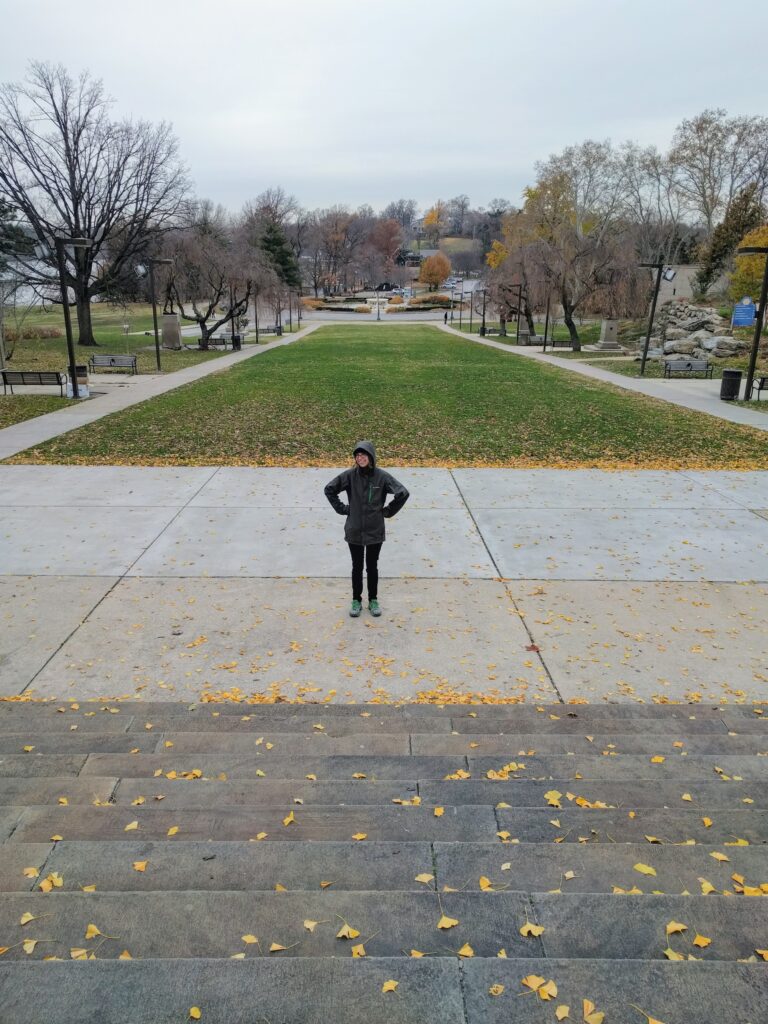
(370, 553)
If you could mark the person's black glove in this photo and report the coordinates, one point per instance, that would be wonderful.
(387, 513)
(344, 510)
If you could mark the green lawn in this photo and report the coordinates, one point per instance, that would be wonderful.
(16, 408)
(425, 397)
(51, 353)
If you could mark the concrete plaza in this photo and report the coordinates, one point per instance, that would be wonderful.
(167, 583)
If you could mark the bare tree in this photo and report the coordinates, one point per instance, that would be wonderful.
(67, 169)
(716, 157)
(401, 210)
(654, 205)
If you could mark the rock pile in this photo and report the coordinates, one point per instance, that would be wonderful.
(699, 331)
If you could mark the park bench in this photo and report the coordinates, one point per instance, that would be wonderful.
(759, 384)
(44, 378)
(271, 329)
(494, 330)
(688, 366)
(560, 342)
(104, 361)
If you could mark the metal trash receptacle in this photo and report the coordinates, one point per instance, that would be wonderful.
(237, 342)
(730, 385)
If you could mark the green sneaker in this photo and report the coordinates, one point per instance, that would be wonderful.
(355, 608)
(373, 608)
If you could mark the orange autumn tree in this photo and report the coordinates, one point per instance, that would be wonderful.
(434, 270)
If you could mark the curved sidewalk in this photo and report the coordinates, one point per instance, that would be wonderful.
(697, 395)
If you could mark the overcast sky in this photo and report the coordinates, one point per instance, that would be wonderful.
(348, 101)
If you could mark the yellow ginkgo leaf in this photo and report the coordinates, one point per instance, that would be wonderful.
(140, 865)
(553, 797)
(533, 982)
(311, 925)
(653, 839)
(701, 941)
(28, 749)
(125, 955)
(466, 951)
(547, 991)
(529, 929)
(358, 951)
(195, 1013)
(324, 885)
(237, 956)
(359, 775)
(439, 812)
(31, 872)
(347, 932)
(716, 855)
(276, 947)
(172, 830)
(671, 954)
(447, 922)
(590, 1013)
(63, 801)
(658, 759)
(78, 954)
(289, 819)
(311, 778)
(504, 835)
(92, 931)
(56, 839)
(706, 887)
(562, 1012)
(261, 835)
(250, 939)
(495, 990)
(280, 888)
(707, 822)
(485, 884)
(763, 953)
(389, 986)
(687, 797)
(359, 836)
(26, 918)
(89, 888)
(416, 954)
(676, 927)
(645, 869)
(131, 826)
(28, 945)
(425, 877)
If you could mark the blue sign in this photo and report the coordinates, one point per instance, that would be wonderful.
(744, 313)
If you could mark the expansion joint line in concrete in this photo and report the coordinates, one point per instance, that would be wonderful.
(499, 573)
(119, 580)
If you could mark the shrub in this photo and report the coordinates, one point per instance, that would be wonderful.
(362, 309)
(310, 303)
(13, 334)
(442, 301)
(396, 300)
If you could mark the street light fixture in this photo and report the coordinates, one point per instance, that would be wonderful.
(482, 325)
(756, 250)
(152, 263)
(660, 272)
(76, 243)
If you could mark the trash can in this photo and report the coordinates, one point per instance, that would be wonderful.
(82, 383)
(730, 385)
(237, 342)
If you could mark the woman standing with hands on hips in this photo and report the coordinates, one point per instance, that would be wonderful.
(367, 488)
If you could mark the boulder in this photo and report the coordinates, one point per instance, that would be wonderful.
(700, 335)
(675, 333)
(734, 344)
(684, 347)
(708, 344)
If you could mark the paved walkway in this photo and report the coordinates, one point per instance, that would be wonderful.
(698, 395)
(543, 584)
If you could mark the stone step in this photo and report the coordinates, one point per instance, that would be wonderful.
(535, 825)
(522, 793)
(619, 768)
(429, 991)
(312, 823)
(390, 924)
(316, 822)
(28, 766)
(38, 790)
(324, 744)
(181, 865)
(598, 868)
(651, 744)
(178, 865)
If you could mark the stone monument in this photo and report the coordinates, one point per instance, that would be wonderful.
(171, 331)
(609, 336)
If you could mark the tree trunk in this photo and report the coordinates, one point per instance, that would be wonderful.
(502, 325)
(84, 325)
(204, 335)
(568, 319)
(529, 320)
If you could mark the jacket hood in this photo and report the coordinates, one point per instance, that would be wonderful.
(368, 448)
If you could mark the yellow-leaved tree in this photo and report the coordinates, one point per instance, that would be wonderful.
(434, 270)
(747, 277)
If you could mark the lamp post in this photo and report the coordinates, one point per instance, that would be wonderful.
(461, 303)
(163, 263)
(754, 250)
(76, 243)
(482, 325)
(546, 322)
(519, 303)
(659, 268)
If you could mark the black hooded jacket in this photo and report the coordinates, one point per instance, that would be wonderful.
(367, 490)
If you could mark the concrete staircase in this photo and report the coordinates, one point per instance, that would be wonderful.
(614, 854)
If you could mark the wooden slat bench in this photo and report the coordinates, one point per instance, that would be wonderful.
(688, 366)
(104, 361)
(34, 378)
